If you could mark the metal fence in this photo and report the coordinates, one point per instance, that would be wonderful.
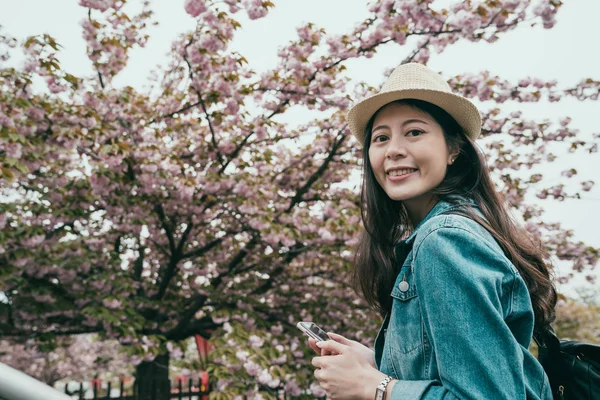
(15, 385)
(192, 390)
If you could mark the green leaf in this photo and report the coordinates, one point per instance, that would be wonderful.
(7, 174)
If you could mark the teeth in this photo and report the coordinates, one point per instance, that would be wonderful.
(399, 172)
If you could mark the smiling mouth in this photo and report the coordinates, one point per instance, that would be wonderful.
(401, 172)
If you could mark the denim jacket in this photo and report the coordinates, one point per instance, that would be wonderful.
(461, 320)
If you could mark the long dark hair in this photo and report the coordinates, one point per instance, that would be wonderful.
(386, 222)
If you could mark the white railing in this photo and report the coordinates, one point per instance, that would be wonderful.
(16, 385)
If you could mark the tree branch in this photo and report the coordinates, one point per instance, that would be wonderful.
(166, 226)
(314, 177)
(203, 104)
(414, 53)
(185, 108)
(204, 249)
(237, 150)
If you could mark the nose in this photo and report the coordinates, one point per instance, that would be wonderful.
(396, 148)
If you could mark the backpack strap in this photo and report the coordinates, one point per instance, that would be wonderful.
(547, 339)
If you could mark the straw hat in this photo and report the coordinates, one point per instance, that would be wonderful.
(416, 81)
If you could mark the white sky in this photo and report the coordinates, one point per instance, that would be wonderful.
(567, 53)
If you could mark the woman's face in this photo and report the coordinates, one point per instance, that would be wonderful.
(408, 153)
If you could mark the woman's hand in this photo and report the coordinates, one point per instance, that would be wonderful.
(346, 368)
(366, 352)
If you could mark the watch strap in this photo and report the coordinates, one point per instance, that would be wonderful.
(380, 390)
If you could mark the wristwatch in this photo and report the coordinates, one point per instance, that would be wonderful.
(380, 390)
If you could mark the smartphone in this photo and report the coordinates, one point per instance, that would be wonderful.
(313, 330)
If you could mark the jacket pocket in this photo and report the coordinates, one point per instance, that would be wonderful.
(405, 329)
(404, 287)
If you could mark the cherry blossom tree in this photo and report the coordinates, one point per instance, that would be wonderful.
(193, 208)
(67, 357)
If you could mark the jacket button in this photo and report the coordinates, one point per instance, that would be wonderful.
(403, 286)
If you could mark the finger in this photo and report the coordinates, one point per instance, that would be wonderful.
(339, 338)
(317, 374)
(332, 346)
(313, 345)
(325, 352)
(317, 362)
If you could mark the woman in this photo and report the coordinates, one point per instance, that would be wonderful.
(460, 286)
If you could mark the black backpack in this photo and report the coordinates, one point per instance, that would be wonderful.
(573, 368)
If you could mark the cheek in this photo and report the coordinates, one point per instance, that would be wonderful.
(375, 161)
(435, 166)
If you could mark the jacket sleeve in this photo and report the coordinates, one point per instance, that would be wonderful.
(465, 285)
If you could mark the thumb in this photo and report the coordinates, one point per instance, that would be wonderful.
(339, 338)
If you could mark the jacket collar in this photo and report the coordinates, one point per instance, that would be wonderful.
(442, 206)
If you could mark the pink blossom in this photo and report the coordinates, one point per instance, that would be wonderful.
(195, 7)
(248, 209)
(587, 185)
(33, 241)
(254, 8)
(36, 113)
(186, 193)
(226, 146)
(22, 262)
(150, 167)
(114, 161)
(252, 368)
(422, 56)
(54, 85)
(292, 388)
(101, 5)
(100, 184)
(326, 235)
(45, 298)
(13, 150)
(547, 11)
(241, 188)
(242, 355)
(524, 82)
(113, 303)
(565, 121)
(220, 320)
(288, 242)
(212, 187)
(467, 21)
(174, 351)
(265, 378)
(538, 83)
(316, 390)
(255, 341)
(211, 43)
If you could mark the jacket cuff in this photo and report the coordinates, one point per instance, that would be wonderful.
(410, 390)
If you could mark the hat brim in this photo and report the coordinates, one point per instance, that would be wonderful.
(462, 110)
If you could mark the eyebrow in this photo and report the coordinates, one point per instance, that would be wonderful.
(408, 121)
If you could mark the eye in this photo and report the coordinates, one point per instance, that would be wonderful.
(380, 138)
(414, 132)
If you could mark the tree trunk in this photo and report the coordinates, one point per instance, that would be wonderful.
(152, 378)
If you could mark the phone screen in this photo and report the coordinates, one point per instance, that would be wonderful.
(313, 330)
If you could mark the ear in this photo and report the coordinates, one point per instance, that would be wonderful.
(452, 155)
